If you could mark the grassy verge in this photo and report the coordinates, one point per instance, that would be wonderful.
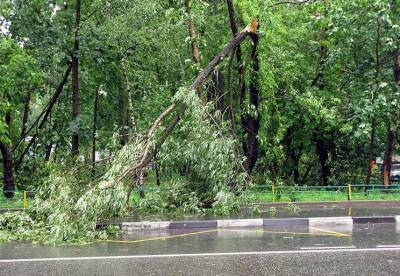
(305, 196)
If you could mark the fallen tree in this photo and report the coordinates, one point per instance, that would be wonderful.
(149, 151)
(65, 210)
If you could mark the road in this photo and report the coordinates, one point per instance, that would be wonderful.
(372, 249)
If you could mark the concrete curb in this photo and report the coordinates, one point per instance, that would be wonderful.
(330, 221)
(271, 222)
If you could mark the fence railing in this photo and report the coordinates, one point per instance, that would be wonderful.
(262, 193)
(275, 193)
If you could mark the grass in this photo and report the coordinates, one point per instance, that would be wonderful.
(304, 196)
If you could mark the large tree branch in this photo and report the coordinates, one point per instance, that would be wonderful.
(147, 152)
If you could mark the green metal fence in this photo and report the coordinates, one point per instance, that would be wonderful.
(261, 193)
(275, 193)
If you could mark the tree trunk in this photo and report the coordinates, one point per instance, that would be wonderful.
(371, 154)
(122, 118)
(391, 137)
(95, 109)
(234, 29)
(196, 56)
(252, 122)
(240, 68)
(387, 163)
(147, 152)
(75, 80)
(192, 33)
(322, 152)
(27, 101)
(9, 185)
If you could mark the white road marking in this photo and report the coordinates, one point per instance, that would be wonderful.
(201, 255)
(327, 247)
(388, 246)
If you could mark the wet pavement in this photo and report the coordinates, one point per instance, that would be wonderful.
(370, 249)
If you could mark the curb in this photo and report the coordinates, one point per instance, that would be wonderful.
(229, 223)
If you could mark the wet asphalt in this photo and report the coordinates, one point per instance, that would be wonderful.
(367, 249)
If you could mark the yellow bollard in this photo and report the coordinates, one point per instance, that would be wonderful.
(273, 193)
(24, 202)
(349, 192)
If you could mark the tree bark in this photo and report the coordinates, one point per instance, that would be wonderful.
(122, 118)
(9, 185)
(192, 33)
(147, 153)
(95, 109)
(27, 101)
(240, 65)
(252, 122)
(391, 137)
(196, 56)
(387, 163)
(371, 154)
(322, 152)
(46, 113)
(75, 80)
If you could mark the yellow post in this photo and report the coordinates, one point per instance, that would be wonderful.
(349, 192)
(273, 193)
(24, 203)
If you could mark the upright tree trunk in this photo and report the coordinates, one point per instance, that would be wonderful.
(387, 163)
(27, 101)
(195, 46)
(240, 65)
(192, 33)
(252, 122)
(9, 185)
(131, 114)
(391, 137)
(320, 143)
(122, 118)
(371, 154)
(75, 79)
(322, 152)
(95, 109)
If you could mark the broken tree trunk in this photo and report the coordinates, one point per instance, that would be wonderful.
(148, 152)
(252, 122)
